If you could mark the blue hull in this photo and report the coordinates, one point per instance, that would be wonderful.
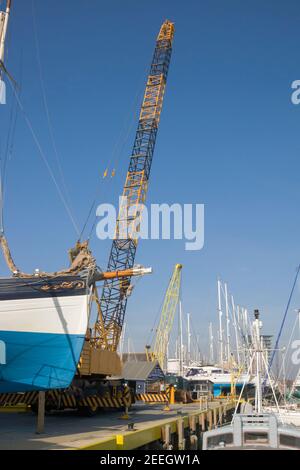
(38, 361)
(218, 389)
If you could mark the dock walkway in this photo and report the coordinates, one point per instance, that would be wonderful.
(106, 431)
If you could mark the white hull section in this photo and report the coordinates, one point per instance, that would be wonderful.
(285, 416)
(219, 379)
(58, 315)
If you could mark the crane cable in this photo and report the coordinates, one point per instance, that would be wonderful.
(130, 121)
(115, 158)
(46, 107)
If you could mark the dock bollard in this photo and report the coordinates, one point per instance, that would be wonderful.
(172, 395)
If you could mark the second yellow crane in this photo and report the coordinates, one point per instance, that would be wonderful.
(166, 321)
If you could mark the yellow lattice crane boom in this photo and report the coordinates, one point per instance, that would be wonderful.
(122, 256)
(166, 321)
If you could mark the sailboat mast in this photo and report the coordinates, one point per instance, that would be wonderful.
(220, 324)
(180, 340)
(258, 351)
(235, 324)
(211, 344)
(188, 339)
(4, 21)
(227, 325)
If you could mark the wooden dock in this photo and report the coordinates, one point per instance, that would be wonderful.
(148, 426)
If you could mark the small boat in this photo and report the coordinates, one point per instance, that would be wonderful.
(254, 428)
(221, 378)
(256, 431)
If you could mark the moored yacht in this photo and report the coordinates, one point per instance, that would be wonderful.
(254, 428)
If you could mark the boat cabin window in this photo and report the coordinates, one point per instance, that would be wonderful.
(192, 372)
(220, 440)
(257, 437)
(289, 441)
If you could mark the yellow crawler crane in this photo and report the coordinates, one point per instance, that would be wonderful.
(99, 355)
(166, 321)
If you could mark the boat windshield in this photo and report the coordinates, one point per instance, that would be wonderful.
(194, 371)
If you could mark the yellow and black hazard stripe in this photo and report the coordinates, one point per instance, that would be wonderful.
(152, 397)
(95, 401)
(59, 399)
(11, 399)
(126, 398)
(30, 398)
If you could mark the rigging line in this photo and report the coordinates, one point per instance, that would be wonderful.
(287, 351)
(284, 317)
(8, 146)
(114, 151)
(130, 116)
(12, 130)
(115, 166)
(96, 198)
(94, 220)
(92, 228)
(90, 212)
(134, 116)
(45, 102)
(43, 156)
(87, 219)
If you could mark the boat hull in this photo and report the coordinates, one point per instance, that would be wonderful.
(42, 329)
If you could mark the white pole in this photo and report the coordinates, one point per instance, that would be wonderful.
(128, 346)
(236, 331)
(227, 325)
(4, 30)
(211, 345)
(220, 325)
(284, 377)
(122, 339)
(241, 332)
(258, 349)
(180, 340)
(188, 339)
(198, 356)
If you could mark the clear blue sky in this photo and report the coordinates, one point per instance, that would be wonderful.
(229, 138)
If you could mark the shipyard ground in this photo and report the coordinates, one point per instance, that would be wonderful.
(107, 431)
